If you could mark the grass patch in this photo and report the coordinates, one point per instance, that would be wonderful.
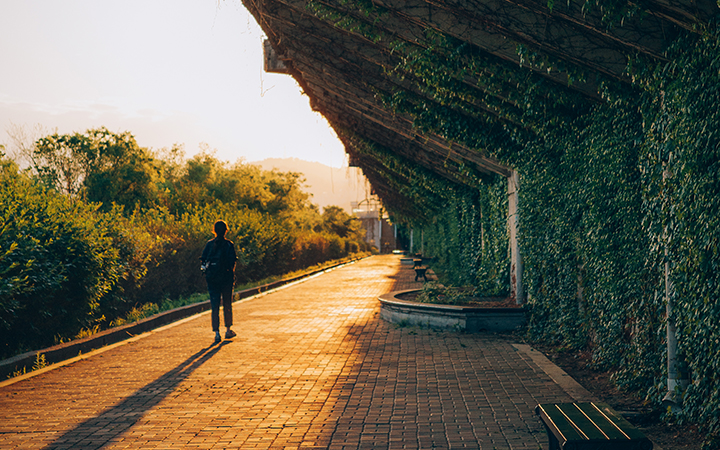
(39, 363)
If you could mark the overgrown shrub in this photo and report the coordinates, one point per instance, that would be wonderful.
(260, 243)
(60, 263)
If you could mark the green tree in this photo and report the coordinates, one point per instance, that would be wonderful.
(121, 172)
(62, 161)
(99, 166)
(336, 221)
(204, 179)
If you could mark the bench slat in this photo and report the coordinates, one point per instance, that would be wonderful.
(591, 430)
(558, 423)
(619, 421)
(601, 421)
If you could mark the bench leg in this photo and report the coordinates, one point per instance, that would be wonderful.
(553, 443)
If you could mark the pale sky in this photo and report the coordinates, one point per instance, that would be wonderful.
(168, 71)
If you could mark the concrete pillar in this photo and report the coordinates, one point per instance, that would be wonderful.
(678, 379)
(516, 267)
(379, 227)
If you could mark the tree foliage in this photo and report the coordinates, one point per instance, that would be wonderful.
(98, 166)
(60, 263)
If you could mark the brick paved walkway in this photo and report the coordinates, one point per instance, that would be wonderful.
(313, 366)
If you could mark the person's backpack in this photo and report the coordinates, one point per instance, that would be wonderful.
(217, 265)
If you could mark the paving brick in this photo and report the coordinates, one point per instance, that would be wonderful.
(313, 367)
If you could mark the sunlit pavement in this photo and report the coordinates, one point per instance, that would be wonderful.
(313, 366)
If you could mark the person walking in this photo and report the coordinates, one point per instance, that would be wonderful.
(218, 262)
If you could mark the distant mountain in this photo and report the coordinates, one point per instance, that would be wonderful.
(328, 185)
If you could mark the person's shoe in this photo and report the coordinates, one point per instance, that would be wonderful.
(230, 334)
(217, 338)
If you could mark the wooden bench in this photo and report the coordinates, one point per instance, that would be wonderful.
(596, 426)
(420, 272)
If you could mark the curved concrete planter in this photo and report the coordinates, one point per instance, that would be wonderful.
(449, 317)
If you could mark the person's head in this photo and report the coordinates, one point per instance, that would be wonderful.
(220, 228)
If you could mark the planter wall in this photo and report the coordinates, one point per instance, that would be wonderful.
(449, 317)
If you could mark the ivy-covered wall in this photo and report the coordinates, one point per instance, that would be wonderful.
(609, 199)
(608, 194)
(681, 182)
(606, 199)
(469, 238)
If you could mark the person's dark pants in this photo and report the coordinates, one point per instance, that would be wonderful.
(221, 293)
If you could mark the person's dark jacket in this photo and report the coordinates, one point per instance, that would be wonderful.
(218, 258)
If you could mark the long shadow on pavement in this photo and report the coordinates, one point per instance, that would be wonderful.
(95, 433)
